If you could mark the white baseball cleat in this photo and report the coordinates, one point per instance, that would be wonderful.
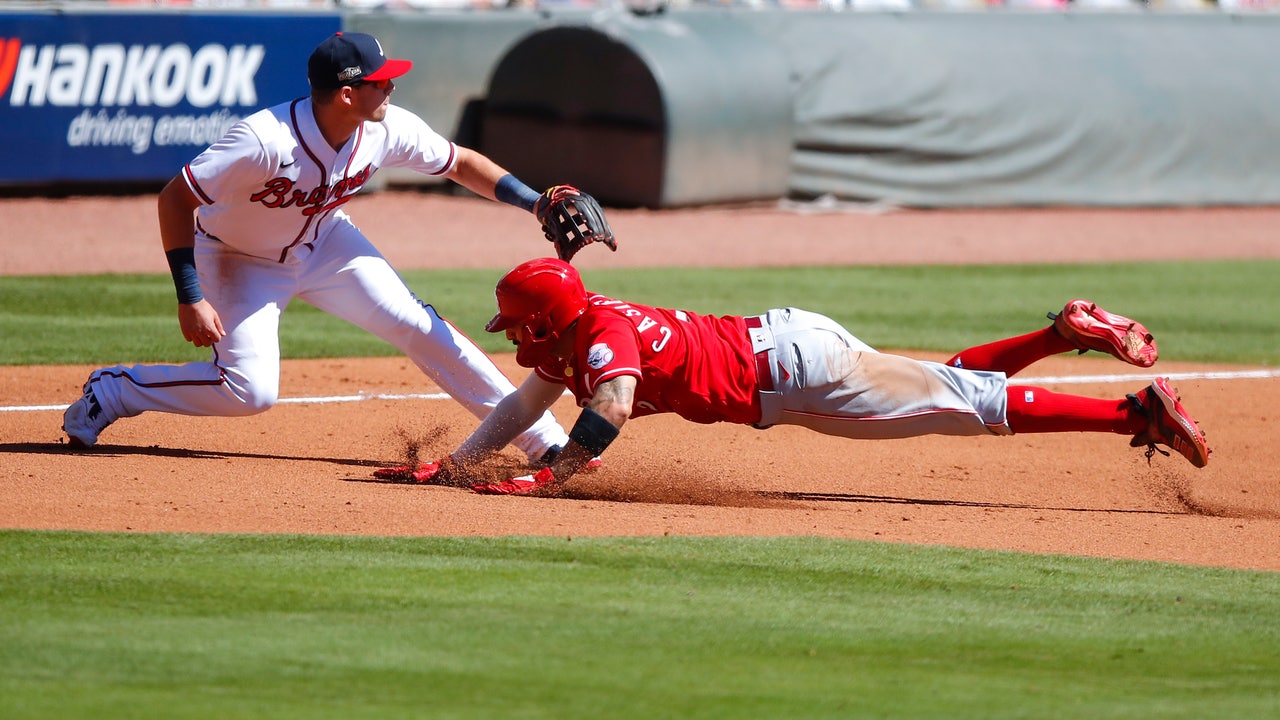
(85, 419)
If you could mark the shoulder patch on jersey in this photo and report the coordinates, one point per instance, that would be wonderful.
(599, 355)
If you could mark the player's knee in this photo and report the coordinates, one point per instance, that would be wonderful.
(250, 398)
(259, 399)
(259, 403)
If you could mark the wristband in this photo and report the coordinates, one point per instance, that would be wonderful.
(182, 265)
(593, 432)
(513, 192)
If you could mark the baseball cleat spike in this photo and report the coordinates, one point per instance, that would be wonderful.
(1089, 327)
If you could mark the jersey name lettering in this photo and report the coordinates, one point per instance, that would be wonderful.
(661, 342)
(626, 309)
(648, 323)
(280, 193)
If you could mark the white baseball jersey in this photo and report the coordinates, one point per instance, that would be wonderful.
(270, 228)
(273, 187)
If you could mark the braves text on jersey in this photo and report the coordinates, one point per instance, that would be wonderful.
(272, 186)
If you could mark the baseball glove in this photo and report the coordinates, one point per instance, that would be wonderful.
(572, 220)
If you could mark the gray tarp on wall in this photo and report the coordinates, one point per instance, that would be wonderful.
(953, 109)
(1004, 108)
(928, 108)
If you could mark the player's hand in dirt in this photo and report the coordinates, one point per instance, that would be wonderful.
(421, 472)
(442, 472)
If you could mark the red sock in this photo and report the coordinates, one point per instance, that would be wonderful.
(1013, 354)
(1036, 410)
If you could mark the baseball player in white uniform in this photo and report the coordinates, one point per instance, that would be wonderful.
(260, 215)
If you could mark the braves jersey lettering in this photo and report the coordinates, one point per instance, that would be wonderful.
(277, 194)
(280, 193)
(273, 182)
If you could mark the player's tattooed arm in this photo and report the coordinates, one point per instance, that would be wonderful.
(597, 426)
(614, 399)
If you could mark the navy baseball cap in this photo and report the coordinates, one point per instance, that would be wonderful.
(348, 58)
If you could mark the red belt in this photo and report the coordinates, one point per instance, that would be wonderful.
(764, 374)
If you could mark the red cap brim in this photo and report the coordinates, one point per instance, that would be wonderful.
(390, 69)
(499, 323)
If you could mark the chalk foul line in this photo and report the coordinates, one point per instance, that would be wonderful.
(1263, 374)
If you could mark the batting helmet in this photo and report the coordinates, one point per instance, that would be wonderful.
(544, 297)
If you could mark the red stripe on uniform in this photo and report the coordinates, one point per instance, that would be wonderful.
(882, 418)
(453, 153)
(222, 380)
(195, 186)
(324, 175)
(616, 372)
(297, 132)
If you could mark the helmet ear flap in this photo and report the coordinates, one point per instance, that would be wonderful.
(541, 333)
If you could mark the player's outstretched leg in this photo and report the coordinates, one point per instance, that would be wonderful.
(1089, 327)
(1081, 326)
(1011, 355)
(1153, 416)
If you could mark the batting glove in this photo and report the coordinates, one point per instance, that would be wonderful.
(421, 473)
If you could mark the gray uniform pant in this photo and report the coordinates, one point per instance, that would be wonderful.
(822, 377)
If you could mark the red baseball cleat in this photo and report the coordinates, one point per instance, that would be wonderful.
(518, 486)
(1170, 425)
(1089, 327)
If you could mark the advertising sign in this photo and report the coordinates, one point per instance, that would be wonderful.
(111, 97)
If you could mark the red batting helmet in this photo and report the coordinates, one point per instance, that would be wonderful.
(543, 296)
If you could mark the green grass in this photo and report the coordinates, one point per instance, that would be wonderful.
(182, 626)
(1226, 311)
(197, 626)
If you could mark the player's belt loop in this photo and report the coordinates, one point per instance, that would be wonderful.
(762, 344)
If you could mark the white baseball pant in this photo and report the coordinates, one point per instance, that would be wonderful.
(827, 380)
(344, 275)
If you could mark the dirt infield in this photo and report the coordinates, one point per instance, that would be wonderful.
(304, 467)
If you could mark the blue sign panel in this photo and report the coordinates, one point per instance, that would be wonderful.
(111, 97)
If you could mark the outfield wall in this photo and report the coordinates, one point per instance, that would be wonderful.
(696, 106)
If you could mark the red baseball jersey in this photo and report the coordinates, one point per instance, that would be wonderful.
(699, 367)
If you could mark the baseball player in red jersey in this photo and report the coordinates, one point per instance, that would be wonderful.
(788, 367)
(261, 215)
